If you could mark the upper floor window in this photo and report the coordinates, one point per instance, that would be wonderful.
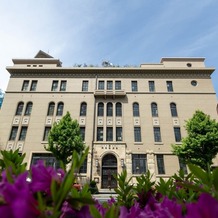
(160, 164)
(23, 132)
(139, 162)
(46, 132)
(134, 86)
(169, 86)
(85, 85)
(173, 110)
(100, 109)
(101, 85)
(83, 109)
(151, 86)
(118, 133)
(63, 85)
(28, 108)
(109, 85)
(82, 132)
(177, 134)
(109, 136)
(83, 168)
(33, 85)
(109, 109)
(154, 110)
(51, 108)
(118, 109)
(183, 166)
(117, 85)
(13, 133)
(137, 134)
(54, 85)
(25, 85)
(135, 109)
(19, 108)
(157, 134)
(60, 109)
(99, 133)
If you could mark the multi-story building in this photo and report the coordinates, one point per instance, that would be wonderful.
(129, 116)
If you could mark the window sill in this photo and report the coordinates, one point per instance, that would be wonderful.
(138, 143)
(158, 143)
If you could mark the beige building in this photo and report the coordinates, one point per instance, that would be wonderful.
(129, 116)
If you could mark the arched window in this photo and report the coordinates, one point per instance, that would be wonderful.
(51, 108)
(135, 109)
(60, 109)
(109, 109)
(173, 110)
(19, 108)
(100, 109)
(83, 108)
(28, 108)
(118, 109)
(154, 110)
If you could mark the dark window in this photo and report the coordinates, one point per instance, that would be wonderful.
(28, 108)
(109, 85)
(99, 133)
(33, 85)
(173, 110)
(100, 109)
(25, 85)
(183, 166)
(134, 86)
(60, 109)
(119, 134)
(85, 86)
(51, 108)
(19, 108)
(160, 164)
(23, 133)
(83, 109)
(137, 134)
(169, 86)
(154, 110)
(139, 162)
(151, 86)
(101, 85)
(13, 133)
(118, 109)
(135, 109)
(109, 136)
(83, 168)
(157, 134)
(54, 85)
(109, 109)
(46, 132)
(82, 132)
(63, 85)
(118, 85)
(177, 134)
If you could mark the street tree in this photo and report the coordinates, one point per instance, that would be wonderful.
(201, 144)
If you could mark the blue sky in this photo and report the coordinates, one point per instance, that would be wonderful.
(124, 32)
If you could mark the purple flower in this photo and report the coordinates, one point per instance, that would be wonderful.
(111, 201)
(206, 207)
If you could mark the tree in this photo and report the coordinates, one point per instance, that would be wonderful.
(201, 144)
(64, 138)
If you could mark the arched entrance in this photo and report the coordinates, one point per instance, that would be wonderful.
(109, 169)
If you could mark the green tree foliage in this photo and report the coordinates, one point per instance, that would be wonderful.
(64, 138)
(201, 144)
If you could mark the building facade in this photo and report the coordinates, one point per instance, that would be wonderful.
(129, 116)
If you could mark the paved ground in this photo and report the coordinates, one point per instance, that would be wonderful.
(105, 196)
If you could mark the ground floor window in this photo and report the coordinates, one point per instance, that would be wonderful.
(139, 162)
(160, 164)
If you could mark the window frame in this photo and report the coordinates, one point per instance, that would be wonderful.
(60, 109)
(109, 85)
(83, 109)
(151, 85)
(100, 112)
(28, 109)
(169, 86)
(23, 133)
(51, 109)
(13, 133)
(177, 133)
(46, 133)
(109, 109)
(118, 85)
(154, 109)
(157, 134)
(135, 107)
(109, 134)
(19, 109)
(63, 85)
(85, 85)
(173, 109)
(134, 85)
(25, 85)
(33, 85)
(139, 163)
(137, 134)
(118, 109)
(100, 134)
(83, 132)
(119, 133)
(54, 87)
(160, 164)
(101, 85)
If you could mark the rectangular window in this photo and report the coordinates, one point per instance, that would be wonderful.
(63, 85)
(151, 86)
(137, 134)
(13, 133)
(82, 132)
(54, 85)
(118, 85)
(183, 166)
(23, 132)
(109, 136)
(85, 86)
(101, 85)
(99, 133)
(157, 134)
(25, 85)
(33, 85)
(83, 168)
(169, 86)
(109, 85)
(160, 164)
(139, 162)
(177, 134)
(119, 134)
(134, 86)
(46, 132)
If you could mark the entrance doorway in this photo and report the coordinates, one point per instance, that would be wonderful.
(109, 169)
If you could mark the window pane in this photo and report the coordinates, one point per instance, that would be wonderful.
(46, 132)
(137, 134)
(63, 85)
(157, 135)
(54, 85)
(109, 109)
(25, 85)
(154, 110)
(109, 85)
(160, 164)
(134, 86)
(101, 85)
(118, 133)
(85, 85)
(118, 109)
(173, 110)
(100, 109)
(169, 86)
(23, 133)
(51, 109)
(82, 132)
(13, 133)
(109, 136)
(139, 162)
(33, 85)
(183, 166)
(177, 133)
(28, 108)
(99, 133)
(135, 109)
(83, 109)
(118, 85)
(151, 86)
(19, 108)
(60, 109)
(83, 168)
